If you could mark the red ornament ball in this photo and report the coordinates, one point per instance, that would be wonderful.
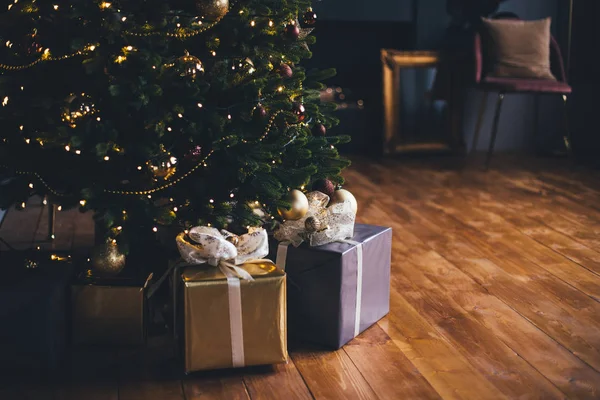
(285, 71)
(300, 111)
(260, 112)
(31, 45)
(193, 154)
(292, 31)
(319, 130)
(324, 186)
(310, 17)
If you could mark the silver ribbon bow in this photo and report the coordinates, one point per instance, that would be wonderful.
(336, 223)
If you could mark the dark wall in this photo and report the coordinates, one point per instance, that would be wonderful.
(584, 79)
(361, 10)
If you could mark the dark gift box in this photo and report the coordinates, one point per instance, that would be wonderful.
(326, 283)
(109, 310)
(33, 310)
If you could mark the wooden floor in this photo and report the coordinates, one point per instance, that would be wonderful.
(495, 294)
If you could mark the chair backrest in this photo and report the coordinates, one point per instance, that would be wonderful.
(557, 65)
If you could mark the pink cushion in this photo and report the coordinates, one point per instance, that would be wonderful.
(525, 85)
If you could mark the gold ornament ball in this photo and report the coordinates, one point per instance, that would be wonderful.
(30, 264)
(212, 9)
(107, 260)
(341, 195)
(312, 224)
(164, 166)
(234, 239)
(76, 107)
(299, 206)
(189, 66)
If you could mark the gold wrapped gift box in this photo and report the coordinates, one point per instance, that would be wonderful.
(109, 311)
(203, 316)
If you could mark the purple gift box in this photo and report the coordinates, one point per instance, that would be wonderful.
(337, 290)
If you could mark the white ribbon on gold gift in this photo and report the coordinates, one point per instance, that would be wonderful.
(208, 245)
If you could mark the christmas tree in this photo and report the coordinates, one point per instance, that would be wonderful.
(155, 114)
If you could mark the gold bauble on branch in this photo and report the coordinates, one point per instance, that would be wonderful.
(189, 66)
(77, 106)
(235, 239)
(299, 206)
(107, 260)
(212, 9)
(341, 195)
(163, 166)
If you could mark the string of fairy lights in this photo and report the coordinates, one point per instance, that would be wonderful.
(179, 33)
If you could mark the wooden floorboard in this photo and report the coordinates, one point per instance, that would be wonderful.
(495, 293)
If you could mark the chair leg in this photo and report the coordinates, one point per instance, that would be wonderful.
(494, 129)
(536, 117)
(482, 109)
(567, 137)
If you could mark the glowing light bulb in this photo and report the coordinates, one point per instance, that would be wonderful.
(44, 202)
(23, 205)
(252, 23)
(211, 201)
(82, 203)
(77, 152)
(175, 209)
(106, 158)
(180, 115)
(129, 48)
(59, 208)
(119, 228)
(270, 23)
(124, 19)
(139, 167)
(232, 195)
(149, 196)
(169, 129)
(21, 127)
(214, 53)
(228, 116)
(55, 6)
(98, 118)
(199, 105)
(155, 229)
(5, 101)
(280, 89)
(68, 148)
(31, 185)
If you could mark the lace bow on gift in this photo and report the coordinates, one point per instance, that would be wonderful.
(321, 224)
(204, 244)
